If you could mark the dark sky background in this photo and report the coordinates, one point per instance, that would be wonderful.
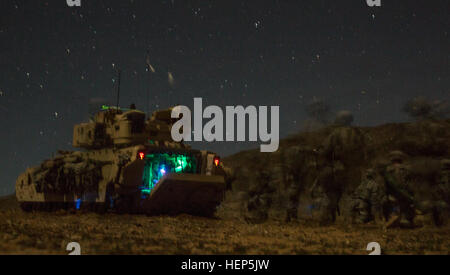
(55, 59)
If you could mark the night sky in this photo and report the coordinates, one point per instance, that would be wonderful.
(56, 59)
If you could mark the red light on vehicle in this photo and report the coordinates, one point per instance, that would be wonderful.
(141, 155)
(216, 161)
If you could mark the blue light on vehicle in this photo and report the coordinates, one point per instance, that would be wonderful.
(78, 204)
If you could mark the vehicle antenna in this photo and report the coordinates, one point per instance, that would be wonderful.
(118, 89)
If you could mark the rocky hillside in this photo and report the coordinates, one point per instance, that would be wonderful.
(425, 143)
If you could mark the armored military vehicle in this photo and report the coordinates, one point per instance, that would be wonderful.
(126, 164)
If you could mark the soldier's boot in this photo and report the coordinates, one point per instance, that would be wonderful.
(407, 218)
(364, 216)
(405, 223)
(251, 217)
(291, 215)
(288, 216)
(333, 213)
(256, 216)
(325, 218)
(378, 218)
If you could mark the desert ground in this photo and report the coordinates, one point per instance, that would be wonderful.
(50, 232)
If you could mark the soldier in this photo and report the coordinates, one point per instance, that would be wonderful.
(444, 180)
(322, 203)
(369, 198)
(298, 162)
(359, 205)
(293, 196)
(260, 192)
(327, 192)
(397, 178)
(441, 194)
(291, 181)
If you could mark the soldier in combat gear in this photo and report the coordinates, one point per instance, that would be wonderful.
(296, 167)
(327, 192)
(369, 199)
(293, 196)
(260, 192)
(401, 198)
(441, 194)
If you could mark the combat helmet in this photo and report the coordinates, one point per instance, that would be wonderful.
(369, 173)
(397, 156)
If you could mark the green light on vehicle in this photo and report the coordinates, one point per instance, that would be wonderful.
(157, 165)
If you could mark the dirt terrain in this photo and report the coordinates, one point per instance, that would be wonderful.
(49, 233)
